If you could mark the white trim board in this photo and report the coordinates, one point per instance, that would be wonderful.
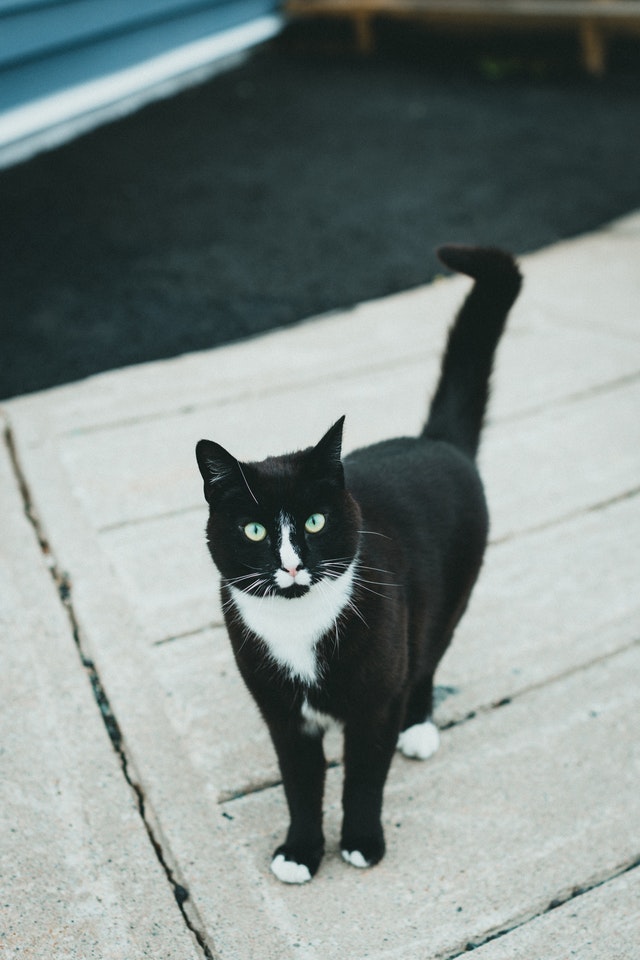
(51, 121)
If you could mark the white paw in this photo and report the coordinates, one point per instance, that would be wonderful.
(288, 871)
(355, 858)
(420, 741)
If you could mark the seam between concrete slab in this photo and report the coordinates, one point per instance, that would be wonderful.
(64, 589)
(196, 632)
(138, 521)
(479, 711)
(560, 901)
(609, 386)
(275, 389)
(619, 498)
(521, 531)
(490, 426)
(497, 541)
(566, 517)
(532, 687)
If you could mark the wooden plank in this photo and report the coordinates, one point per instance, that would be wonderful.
(590, 16)
(481, 9)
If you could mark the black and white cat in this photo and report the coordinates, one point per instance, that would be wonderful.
(343, 580)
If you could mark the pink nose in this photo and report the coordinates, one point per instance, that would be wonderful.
(292, 571)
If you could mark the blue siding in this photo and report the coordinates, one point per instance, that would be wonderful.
(36, 28)
(48, 47)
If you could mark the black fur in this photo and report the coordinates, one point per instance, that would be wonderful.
(412, 511)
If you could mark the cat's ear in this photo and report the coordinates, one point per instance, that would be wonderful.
(219, 468)
(327, 453)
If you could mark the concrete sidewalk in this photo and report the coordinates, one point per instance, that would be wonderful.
(139, 791)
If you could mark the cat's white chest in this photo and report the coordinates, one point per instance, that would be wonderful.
(291, 628)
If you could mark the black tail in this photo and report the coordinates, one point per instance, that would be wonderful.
(459, 404)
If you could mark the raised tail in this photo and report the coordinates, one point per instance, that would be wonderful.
(458, 406)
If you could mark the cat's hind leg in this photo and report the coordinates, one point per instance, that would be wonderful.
(420, 741)
(419, 738)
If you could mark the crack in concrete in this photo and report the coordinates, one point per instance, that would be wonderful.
(569, 399)
(64, 588)
(275, 388)
(181, 893)
(583, 511)
(187, 634)
(554, 904)
(597, 507)
(482, 709)
(493, 541)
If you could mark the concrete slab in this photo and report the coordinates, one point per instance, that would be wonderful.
(552, 465)
(248, 369)
(132, 471)
(114, 640)
(79, 876)
(564, 460)
(593, 283)
(527, 801)
(519, 808)
(601, 266)
(545, 604)
(602, 924)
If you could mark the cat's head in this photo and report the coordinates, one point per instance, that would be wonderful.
(284, 524)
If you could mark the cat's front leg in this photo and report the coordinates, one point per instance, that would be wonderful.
(302, 765)
(369, 749)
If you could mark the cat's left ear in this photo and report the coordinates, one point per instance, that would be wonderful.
(328, 452)
(217, 466)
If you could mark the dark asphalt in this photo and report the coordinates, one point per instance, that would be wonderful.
(304, 181)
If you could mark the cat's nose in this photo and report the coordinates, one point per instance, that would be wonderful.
(292, 571)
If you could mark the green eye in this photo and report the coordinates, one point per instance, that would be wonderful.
(255, 532)
(315, 523)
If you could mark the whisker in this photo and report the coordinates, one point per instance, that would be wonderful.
(247, 635)
(334, 568)
(363, 566)
(233, 580)
(342, 564)
(354, 609)
(246, 483)
(375, 592)
(376, 583)
(333, 572)
(252, 587)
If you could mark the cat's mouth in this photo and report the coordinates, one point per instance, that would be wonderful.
(293, 582)
(293, 591)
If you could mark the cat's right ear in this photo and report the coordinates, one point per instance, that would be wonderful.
(328, 452)
(217, 466)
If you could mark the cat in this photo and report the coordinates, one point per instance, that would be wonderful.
(342, 580)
